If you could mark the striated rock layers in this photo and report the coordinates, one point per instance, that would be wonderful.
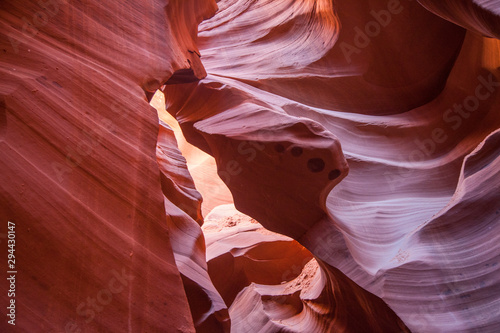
(79, 175)
(300, 92)
(360, 138)
(183, 204)
(273, 284)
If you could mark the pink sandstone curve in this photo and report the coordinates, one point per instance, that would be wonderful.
(201, 165)
(407, 100)
(298, 93)
(184, 219)
(275, 285)
(240, 251)
(78, 167)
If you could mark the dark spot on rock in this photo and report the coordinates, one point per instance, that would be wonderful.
(297, 151)
(447, 292)
(316, 164)
(279, 148)
(334, 174)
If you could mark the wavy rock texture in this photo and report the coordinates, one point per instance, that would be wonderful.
(201, 166)
(240, 251)
(404, 100)
(78, 167)
(183, 204)
(366, 131)
(273, 284)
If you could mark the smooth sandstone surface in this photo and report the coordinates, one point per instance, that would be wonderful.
(411, 101)
(273, 284)
(79, 175)
(183, 204)
(361, 140)
(201, 166)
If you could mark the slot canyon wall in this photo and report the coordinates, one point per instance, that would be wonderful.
(357, 145)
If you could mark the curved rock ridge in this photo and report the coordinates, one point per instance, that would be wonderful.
(482, 16)
(273, 284)
(296, 33)
(201, 166)
(403, 224)
(183, 204)
(391, 246)
(339, 64)
(297, 148)
(240, 251)
(79, 175)
(366, 133)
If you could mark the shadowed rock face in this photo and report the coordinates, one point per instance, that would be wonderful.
(481, 16)
(362, 135)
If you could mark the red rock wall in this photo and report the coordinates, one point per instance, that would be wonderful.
(184, 220)
(79, 175)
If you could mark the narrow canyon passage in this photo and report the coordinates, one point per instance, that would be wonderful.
(250, 166)
(405, 142)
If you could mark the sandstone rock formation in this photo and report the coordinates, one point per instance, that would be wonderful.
(361, 137)
(183, 204)
(409, 119)
(477, 15)
(273, 284)
(79, 175)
